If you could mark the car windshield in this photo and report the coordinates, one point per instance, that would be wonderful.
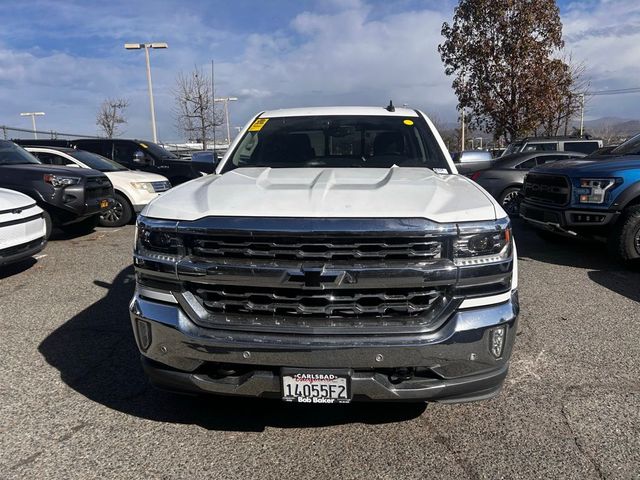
(12, 154)
(157, 151)
(97, 162)
(630, 147)
(338, 141)
(512, 148)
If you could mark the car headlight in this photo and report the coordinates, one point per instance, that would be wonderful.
(483, 242)
(594, 190)
(143, 186)
(61, 180)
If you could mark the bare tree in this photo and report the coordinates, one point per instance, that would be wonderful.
(111, 116)
(195, 109)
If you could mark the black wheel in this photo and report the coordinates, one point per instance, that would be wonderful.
(83, 227)
(121, 214)
(48, 224)
(624, 241)
(510, 201)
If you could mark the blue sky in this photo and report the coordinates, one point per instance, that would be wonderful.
(65, 58)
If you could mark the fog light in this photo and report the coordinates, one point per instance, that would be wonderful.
(144, 334)
(497, 341)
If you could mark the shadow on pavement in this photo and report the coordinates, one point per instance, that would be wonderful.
(588, 255)
(96, 356)
(18, 267)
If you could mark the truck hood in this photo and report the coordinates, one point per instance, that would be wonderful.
(328, 193)
(596, 167)
(10, 199)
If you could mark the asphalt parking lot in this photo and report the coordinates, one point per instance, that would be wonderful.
(75, 404)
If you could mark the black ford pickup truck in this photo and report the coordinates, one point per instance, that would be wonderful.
(71, 198)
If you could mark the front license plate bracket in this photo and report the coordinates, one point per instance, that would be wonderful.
(304, 385)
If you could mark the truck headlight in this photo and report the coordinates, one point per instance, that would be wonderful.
(594, 190)
(483, 242)
(157, 239)
(143, 186)
(61, 180)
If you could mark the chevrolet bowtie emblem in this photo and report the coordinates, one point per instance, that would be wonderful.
(317, 278)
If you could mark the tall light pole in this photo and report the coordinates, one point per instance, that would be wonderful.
(33, 116)
(147, 46)
(226, 101)
(581, 114)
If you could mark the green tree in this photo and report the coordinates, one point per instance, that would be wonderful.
(505, 57)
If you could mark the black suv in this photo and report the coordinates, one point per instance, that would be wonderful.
(72, 198)
(141, 155)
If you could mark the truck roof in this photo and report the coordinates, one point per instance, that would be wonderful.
(320, 111)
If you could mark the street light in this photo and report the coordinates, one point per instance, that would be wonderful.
(226, 101)
(147, 46)
(33, 116)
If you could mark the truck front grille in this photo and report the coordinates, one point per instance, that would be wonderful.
(336, 303)
(97, 188)
(337, 248)
(549, 189)
(161, 186)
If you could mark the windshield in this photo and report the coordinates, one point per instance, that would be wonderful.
(630, 147)
(12, 154)
(157, 151)
(338, 141)
(512, 148)
(97, 162)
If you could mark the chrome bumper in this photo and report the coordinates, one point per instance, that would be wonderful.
(457, 354)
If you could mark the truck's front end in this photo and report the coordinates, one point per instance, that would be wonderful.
(324, 284)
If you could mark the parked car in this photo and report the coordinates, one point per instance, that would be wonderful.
(133, 189)
(22, 227)
(205, 161)
(505, 178)
(470, 161)
(142, 155)
(133, 154)
(554, 144)
(594, 197)
(336, 255)
(72, 198)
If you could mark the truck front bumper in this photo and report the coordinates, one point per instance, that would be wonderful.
(455, 362)
(566, 220)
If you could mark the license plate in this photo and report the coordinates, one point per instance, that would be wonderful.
(316, 386)
(104, 203)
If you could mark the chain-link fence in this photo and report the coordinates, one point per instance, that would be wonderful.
(9, 133)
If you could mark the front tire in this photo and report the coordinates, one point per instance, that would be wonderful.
(83, 227)
(510, 200)
(121, 213)
(48, 224)
(624, 241)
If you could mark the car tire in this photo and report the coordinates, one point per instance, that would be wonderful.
(48, 224)
(121, 214)
(510, 201)
(83, 227)
(624, 241)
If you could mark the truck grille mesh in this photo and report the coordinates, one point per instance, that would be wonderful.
(336, 303)
(549, 189)
(315, 249)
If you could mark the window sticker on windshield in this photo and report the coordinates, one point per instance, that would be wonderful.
(441, 171)
(258, 124)
(408, 122)
(143, 145)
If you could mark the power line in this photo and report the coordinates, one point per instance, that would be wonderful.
(619, 91)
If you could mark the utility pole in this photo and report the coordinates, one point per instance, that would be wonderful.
(581, 114)
(226, 101)
(462, 132)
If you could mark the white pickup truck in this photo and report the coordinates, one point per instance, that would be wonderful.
(335, 255)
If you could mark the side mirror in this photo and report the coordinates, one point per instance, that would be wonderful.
(139, 157)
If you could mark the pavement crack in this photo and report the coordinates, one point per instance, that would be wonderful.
(27, 461)
(579, 446)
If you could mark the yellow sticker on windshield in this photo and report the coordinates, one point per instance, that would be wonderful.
(258, 124)
(143, 145)
(408, 122)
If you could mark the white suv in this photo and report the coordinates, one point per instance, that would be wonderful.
(22, 227)
(133, 189)
(335, 255)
